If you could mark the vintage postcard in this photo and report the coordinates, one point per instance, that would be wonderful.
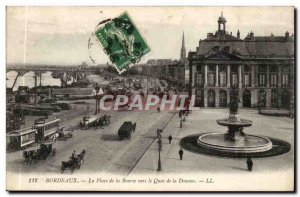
(150, 99)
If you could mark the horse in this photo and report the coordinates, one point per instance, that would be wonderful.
(33, 156)
(72, 164)
(80, 124)
(81, 156)
(26, 157)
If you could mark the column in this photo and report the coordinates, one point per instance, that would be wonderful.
(268, 76)
(254, 99)
(40, 78)
(292, 81)
(256, 75)
(279, 76)
(240, 76)
(35, 79)
(252, 75)
(205, 76)
(217, 99)
(205, 98)
(268, 98)
(190, 78)
(228, 76)
(193, 75)
(217, 76)
(228, 96)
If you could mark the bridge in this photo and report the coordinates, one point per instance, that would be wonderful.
(62, 72)
(46, 68)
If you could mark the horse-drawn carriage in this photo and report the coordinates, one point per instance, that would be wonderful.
(45, 150)
(73, 163)
(102, 121)
(63, 134)
(94, 121)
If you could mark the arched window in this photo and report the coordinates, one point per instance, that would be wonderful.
(274, 98)
(285, 99)
(246, 98)
(223, 98)
(227, 48)
(211, 98)
(216, 48)
(262, 98)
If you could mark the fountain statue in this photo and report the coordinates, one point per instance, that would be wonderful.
(234, 123)
(235, 140)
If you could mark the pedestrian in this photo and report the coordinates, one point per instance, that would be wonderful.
(158, 109)
(170, 139)
(180, 123)
(249, 164)
(180, 153)
(74, 155)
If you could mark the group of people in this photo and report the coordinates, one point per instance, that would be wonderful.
(170, 138)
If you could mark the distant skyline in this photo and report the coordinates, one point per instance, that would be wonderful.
(59, 35)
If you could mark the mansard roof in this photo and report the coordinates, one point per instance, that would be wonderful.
(267, 46)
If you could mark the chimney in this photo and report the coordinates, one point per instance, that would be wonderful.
(287, 35)
(238, 34)
(251, 35)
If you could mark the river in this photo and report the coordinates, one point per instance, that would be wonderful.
(28, 80)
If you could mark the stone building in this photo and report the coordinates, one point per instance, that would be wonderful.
(261, 66)
(168, 69)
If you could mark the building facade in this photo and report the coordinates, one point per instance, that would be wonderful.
(262, 67)
(168, 69)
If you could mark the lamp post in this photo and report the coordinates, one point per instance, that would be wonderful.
(159, 150)
(181, 122)
(96, 106)
(87, 109)
(159, 142)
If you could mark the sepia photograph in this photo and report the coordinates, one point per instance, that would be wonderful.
(150, 98)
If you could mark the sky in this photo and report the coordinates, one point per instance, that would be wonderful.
(59, 35)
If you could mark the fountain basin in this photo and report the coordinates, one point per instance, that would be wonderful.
(242, 123)
(250, 144)
(189, 143)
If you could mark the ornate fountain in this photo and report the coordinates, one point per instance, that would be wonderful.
(235, 140)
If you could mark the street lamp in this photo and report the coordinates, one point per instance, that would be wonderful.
(159, 142)
(159, 150)
(87, 109)
(181, 121)
(159, 131)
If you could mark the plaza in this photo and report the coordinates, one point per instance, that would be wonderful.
(106, 153)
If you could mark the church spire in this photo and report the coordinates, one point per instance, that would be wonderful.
(183, 51)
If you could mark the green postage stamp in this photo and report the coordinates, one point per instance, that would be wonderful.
(122, 42)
